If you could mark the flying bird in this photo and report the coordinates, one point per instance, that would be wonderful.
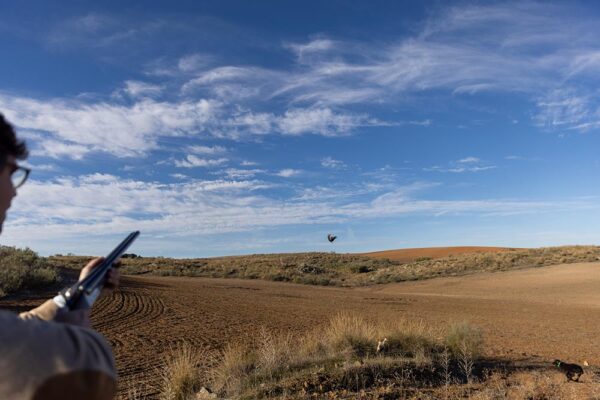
(331, 238)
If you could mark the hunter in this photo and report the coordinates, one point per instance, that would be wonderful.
(49, 352)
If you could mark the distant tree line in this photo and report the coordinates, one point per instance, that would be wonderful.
(130, 255)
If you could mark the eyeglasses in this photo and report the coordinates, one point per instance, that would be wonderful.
(18, 175)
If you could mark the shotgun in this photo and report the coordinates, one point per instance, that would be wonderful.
(85, 292)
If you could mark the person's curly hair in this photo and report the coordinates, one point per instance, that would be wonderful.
(9, 144)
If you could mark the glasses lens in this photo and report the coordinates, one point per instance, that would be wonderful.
(18, 177)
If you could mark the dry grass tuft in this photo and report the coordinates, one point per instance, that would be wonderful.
(180, 374)
(352, 333)
(464, 338)
(236, 363)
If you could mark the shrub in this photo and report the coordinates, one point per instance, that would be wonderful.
(24, 269)
(41, 277)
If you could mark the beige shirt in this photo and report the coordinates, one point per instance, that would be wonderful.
(41, 358)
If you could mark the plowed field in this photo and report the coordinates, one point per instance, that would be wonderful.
(530, 316)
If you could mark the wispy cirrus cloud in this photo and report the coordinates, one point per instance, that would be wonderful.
(462, 51)
(311, 48)
(467, 164)
(73, 128)
(192, 161)
(330, 162)
(469, 160)
(537, 50)
(138, 89)
(198, 149)
(76, 128)
(241, 173)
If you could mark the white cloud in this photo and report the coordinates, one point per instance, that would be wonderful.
(288, 172)
(66, 208)
(320, 121)
(567, 109)
(194, 62)
(329, 162)
(315, 46)
(253, 123)
(138, 89)
(41, 167)
(207, 149)
(467, 164)
(124, 131)
(238, 173)
(74, 128)
(425, 122)
(470, 169)
(234, 81)
(529, 49)
(192, 161)
(57, 149)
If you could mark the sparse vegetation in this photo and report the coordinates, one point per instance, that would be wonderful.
(337, 361)
(24, 269)
(346, 269)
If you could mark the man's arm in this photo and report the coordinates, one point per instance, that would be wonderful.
(48, 360)
(49, 310)
(51, 352)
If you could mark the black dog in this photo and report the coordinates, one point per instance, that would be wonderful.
(573, 371)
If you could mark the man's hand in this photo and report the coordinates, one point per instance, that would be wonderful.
(112, 277)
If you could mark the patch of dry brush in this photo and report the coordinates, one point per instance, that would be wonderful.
(347, 269)
(24, 269)
(339, 360)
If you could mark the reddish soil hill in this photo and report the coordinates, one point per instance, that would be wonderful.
(408, 255)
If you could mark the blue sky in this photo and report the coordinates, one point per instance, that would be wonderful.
(221, 128)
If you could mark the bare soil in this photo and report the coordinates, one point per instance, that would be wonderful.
(529, 316)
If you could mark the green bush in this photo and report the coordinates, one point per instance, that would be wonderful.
(24, 269)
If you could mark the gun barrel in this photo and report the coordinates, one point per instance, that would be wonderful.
(97, 276)
(95, 279)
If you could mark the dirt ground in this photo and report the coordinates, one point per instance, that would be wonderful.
(530, 316)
